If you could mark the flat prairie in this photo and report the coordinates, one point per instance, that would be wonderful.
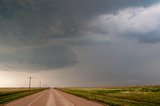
(9, 94)
(120, 96)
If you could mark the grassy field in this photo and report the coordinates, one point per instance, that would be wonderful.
(120, 96)
(9, 94)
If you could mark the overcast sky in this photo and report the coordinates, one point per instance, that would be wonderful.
(79, 42)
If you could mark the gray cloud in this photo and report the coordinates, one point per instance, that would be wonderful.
(35, 22)
(43, 35)
(30, 26)
(120, 63)
(40, 58)
(151, 37)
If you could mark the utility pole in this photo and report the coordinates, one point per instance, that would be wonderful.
(30, 78)
(40, 84)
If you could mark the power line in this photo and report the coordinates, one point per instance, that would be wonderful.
(12, 68)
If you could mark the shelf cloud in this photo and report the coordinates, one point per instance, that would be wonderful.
(100, 38)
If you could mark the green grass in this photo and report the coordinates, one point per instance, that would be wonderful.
(9, 94)
(120, 96)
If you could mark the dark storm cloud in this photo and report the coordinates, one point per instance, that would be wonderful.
(40, 58)
(35, 24)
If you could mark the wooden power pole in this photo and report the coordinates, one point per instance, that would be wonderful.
(30, 78)
(39, 84)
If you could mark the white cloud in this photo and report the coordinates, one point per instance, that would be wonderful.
(138, 20)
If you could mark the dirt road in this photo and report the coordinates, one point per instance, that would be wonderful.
(52, 97)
